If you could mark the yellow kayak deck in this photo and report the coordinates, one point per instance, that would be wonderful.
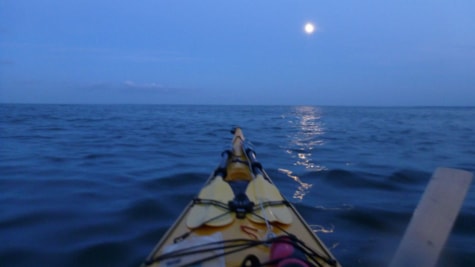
(239, 212)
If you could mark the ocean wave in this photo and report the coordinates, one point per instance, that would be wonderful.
(100, 184)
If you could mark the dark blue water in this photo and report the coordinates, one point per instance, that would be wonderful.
(98, 185)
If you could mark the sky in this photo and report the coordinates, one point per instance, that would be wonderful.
(371, 53)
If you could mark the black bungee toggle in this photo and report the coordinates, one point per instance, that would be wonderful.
(241, 205)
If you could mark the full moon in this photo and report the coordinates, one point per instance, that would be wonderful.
(309, 28)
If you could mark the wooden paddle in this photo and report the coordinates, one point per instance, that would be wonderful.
(433, 219)
(200, 214)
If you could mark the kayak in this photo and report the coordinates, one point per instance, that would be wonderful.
(240, 218)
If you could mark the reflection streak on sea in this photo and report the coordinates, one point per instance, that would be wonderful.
(302, 188)
(308, 132)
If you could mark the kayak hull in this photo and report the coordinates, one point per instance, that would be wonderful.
(209, 229)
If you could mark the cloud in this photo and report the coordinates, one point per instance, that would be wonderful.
(157, 56)
(153, 88)
(94, 55)
(144, 86)
(6, 62)
(130, 86)
(139, 56)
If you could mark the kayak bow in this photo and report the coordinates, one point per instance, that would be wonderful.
(239, 218)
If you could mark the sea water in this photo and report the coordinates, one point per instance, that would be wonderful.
(98, 185)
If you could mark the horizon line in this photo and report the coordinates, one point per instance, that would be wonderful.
(270, 105)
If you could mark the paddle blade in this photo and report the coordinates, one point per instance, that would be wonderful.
(259, 191)
(433, 218)
(209, 214)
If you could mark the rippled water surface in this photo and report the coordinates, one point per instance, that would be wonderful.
(98, 185)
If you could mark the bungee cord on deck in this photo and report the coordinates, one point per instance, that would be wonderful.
(243, 244)
(240, 244)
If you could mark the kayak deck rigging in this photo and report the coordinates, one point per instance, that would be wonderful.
(239, 218)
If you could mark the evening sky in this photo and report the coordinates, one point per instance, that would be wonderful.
(375, 53)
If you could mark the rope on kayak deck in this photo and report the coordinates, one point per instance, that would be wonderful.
(237, 245)
(269, 233)
(211, 202)
(308, 251)
(213, 246)
(227, 207)
(243, 244)
(250, 231)
(185, 235)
